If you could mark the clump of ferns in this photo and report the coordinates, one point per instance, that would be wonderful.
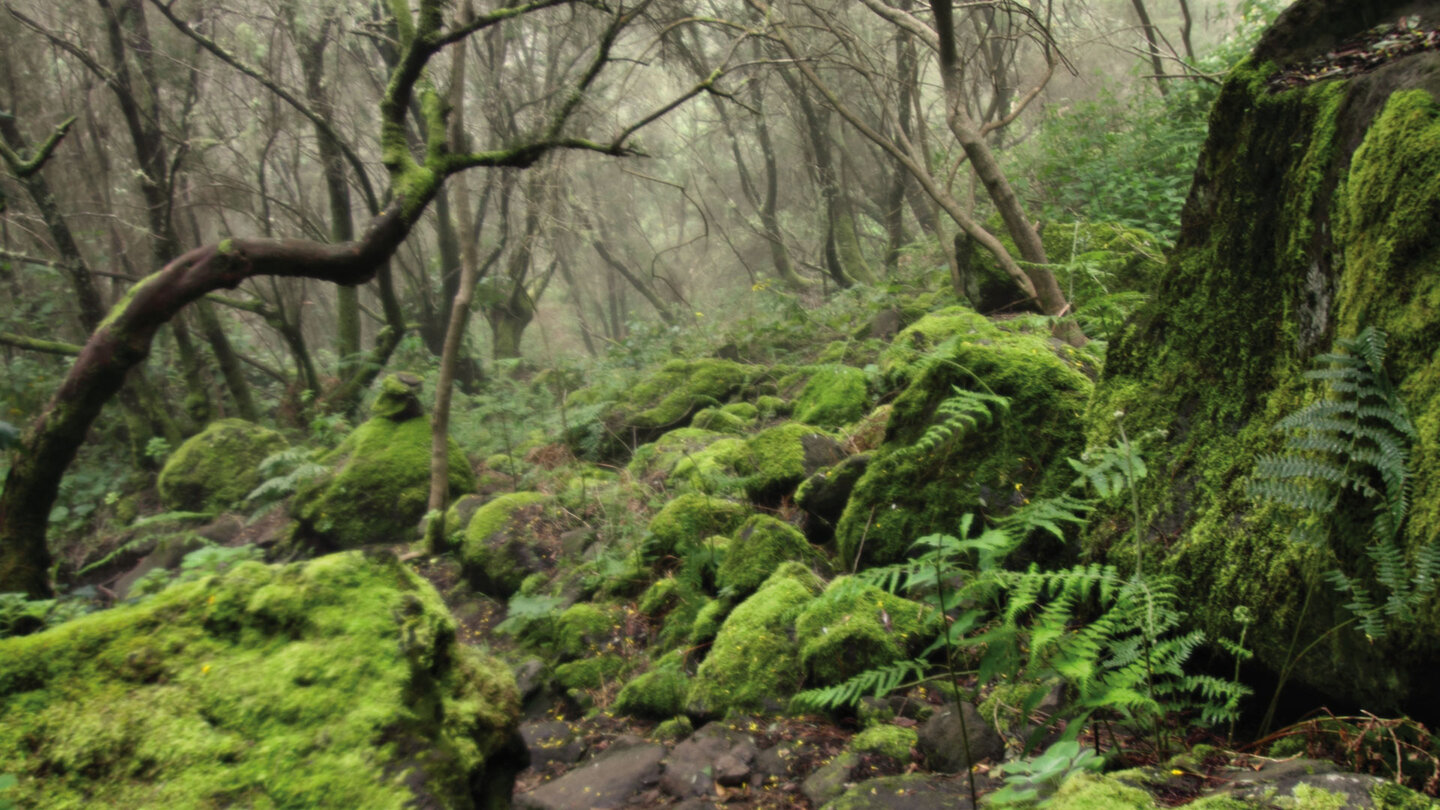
(1117, 641)
(1352, 445)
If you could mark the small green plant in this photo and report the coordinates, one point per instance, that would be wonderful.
(202, 562)
(1033, 781)
(20, 615)
(525, 613)
(157, 448)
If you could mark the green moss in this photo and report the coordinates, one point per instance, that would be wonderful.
(905, 357)
(1390, 796)
(722, 421)
(676, 728)
(654, 461)
(770, 406)
(719, 469)
(381, 489)
(742, 410)
(893, 742)
(495, 553)
(708, 621)
(759, 546)
(589, 673)
(654, 695)
(661, 597)
(834, 396)
(398, 398)
(782, 456)
(689, 519)
(1085, 791)
(584, 629)
(1022, 455)
(1303, 242)
(216, 468)
(296, 686)
(754, 662)
(852, 628)
(681, 387)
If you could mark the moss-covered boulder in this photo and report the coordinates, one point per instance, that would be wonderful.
(1313, 215)
(754, 663)
(503, 543)
(216, 468)
(833, 397)
(686, 521)
(666, 399)
(587, 630)
(782, 456)
(853, 627)
(758, 548)
(653, 463)
(724, 420)
(909, 490)
(331, 683)
(655, 695)
(381, 485)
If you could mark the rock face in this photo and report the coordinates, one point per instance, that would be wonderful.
(382, 485)
(332, 683)
(216, 468)
(1312, 217)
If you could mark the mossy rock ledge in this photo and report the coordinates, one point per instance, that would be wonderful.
(217, 467)
(1312, 216)
(336, 682)
(381, 485)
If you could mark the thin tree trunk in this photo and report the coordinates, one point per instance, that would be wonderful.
(459, 318)
(1153, 41)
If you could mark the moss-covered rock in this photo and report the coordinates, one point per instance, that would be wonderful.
(853, 627)
(687, 520)
(1021, 454)
(655, 695)
(500, 546)
(1312, 217)
(754, 662)
(722, 420)
(335, 682)
(834, 396)
(758, 548)
(782, 456)
(590, 673)
(891, 742)
(586, 629)
(382, 485)
(666, 399)
(216, 468)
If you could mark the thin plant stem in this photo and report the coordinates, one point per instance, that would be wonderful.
(955, 686)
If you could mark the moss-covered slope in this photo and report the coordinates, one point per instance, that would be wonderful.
(1312, 216)
(332, 683)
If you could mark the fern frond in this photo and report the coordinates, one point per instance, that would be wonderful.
(870, 683)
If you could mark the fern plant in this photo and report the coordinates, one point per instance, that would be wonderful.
(282, 474)
(1355, 441)
(963, 410)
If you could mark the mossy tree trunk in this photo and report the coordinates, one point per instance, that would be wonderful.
(123, 339)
